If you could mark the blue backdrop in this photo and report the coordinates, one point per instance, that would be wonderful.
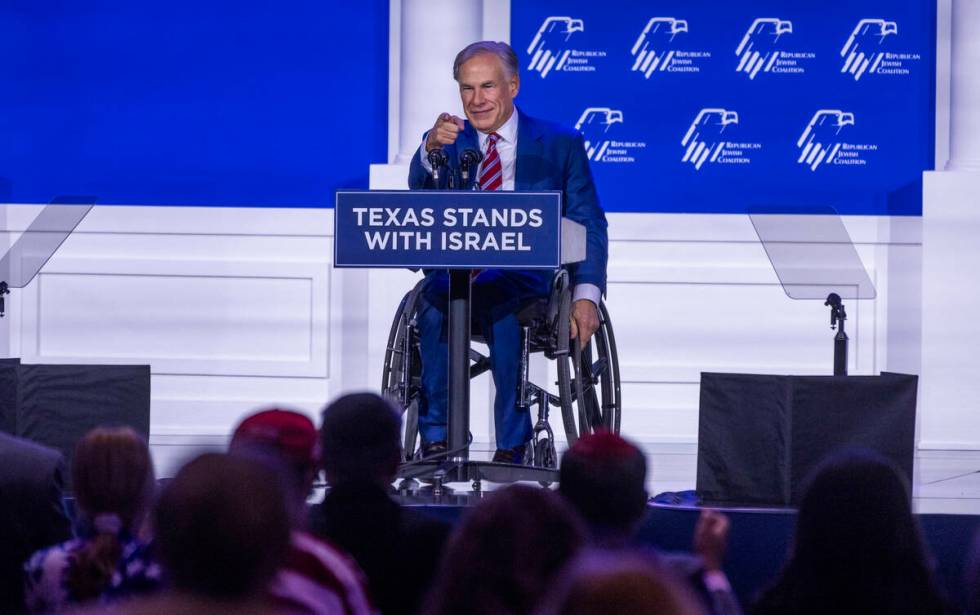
(704, 106)
(716, 106)
(187, 102)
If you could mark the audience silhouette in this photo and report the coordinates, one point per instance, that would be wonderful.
(397, 547)
(603, 476)
(858, 548)
(32, 513)
(507, 550)
(601, 582)
(317, 578)
(113, 479)
(222, 529)
(233, 533)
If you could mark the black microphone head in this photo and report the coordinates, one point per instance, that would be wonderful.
(471, 157)
(437, 158)
(468, 161)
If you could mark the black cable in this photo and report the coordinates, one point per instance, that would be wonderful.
(943, 480)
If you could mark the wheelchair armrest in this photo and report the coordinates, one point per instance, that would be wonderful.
(572, 242)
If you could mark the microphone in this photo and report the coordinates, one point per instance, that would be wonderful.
(836, 309)
(438, 159)
(469, 160)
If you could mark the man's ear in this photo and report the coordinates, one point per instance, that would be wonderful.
(515, 85)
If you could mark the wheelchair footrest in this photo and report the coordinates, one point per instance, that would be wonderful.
(468, 471)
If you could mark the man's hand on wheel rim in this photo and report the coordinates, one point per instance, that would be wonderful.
(584, 321)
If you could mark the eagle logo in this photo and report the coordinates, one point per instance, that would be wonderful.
(862, 51)
(819, 142)
(547, 50)
(757, 51)
(703, 142)
(593, 125)
(651, 51)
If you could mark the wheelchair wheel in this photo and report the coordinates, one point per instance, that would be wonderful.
(607, 370)
(588, 378)
(401, 379)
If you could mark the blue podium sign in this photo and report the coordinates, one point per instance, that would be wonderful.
(447, 229)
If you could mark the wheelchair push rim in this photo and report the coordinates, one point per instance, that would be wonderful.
(589, 391)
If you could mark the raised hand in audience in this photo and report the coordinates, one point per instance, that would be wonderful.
(711, 538)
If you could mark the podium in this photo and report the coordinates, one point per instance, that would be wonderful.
(459, 231)
(760, 436)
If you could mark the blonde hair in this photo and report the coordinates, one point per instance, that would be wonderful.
(113, 478)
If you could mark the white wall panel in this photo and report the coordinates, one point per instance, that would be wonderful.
(198, 317)
(182, 317)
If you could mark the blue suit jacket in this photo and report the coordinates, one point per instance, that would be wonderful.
(549, 157)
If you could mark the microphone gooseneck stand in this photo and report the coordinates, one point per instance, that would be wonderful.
(4, 290)
(455, 465)
(837, 318)
(470, 159)
(438, 159)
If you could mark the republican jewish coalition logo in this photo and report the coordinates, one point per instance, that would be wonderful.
(594, 126)
(821, 142)
(862, 51)
(758, 51)
(653, 48)
(549, 49)
(703, 138)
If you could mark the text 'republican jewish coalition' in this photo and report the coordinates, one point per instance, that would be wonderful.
(459, 229)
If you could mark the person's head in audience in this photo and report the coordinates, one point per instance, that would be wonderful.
(603, 476)
(222, 527)
(504, 552)
(289, 440)
(857, 546)
(113, 485)
(603, 582)
(360, 439)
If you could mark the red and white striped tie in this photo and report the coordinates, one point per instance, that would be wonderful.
(491, 174)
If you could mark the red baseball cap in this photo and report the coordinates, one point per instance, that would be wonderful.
(289, 433)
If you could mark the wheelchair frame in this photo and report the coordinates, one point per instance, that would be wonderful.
(544, 330)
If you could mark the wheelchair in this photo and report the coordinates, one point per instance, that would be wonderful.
(588, 384)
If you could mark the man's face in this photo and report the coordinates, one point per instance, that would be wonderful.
(487, 93)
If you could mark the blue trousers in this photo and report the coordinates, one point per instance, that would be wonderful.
(497, 297)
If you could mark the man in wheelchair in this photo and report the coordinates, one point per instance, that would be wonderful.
(518, 153)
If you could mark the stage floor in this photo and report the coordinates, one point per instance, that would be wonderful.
(944, 482)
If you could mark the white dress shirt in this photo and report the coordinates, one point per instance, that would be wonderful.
(507, 150)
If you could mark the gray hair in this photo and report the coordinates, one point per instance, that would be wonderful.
(502, 50)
